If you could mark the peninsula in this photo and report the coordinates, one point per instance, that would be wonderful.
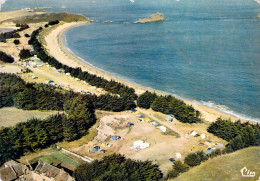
(153, 18)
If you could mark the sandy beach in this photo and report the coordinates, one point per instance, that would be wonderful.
(56, 48)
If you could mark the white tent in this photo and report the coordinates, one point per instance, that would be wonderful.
(162, 128)
(178, 156)
(140, 144)
(193, 133)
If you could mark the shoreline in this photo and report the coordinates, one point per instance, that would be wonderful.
(56, 48)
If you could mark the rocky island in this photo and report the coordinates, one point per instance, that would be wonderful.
(153, 18)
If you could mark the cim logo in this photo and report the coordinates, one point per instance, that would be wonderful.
(247, 173)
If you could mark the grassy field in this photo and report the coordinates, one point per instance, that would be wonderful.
(56, 158)
(46, 17)
(10, 116)
(226, 167)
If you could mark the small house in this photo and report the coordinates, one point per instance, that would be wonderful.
(203, 136)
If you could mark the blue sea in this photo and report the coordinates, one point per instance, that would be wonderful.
(206, 51)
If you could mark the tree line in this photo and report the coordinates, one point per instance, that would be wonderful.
(169, 105)
(14, 91)
(116, 168)
(110, 86)
(13, 34)
(6, 58)
(239, 135)
(37, 134)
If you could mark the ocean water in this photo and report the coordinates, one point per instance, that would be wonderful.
(207, 51)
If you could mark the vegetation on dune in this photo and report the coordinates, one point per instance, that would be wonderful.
(178, 168)
(117, 167)
(13, 34)
(47, 17)
(225, 167)
(169, 105)
(6, 58)
(239, 135)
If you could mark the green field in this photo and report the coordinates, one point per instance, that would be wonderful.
(226, 167)
(10, 116)
(57, 158)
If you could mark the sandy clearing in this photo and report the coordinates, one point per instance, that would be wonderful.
(162, 147)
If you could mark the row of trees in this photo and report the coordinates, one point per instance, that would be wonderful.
(12, 34)
(37, 134)
(169, 105)
(117, 167)
(14, 91)
(110, 86)
(239, 135)
(6, 58)
(54, 22)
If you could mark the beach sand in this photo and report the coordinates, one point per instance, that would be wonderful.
(56, 48)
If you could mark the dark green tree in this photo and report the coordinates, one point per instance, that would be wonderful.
(24, 54)
(192, 159)
(146, 99)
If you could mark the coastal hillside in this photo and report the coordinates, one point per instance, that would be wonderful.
(226, 167)
(5, 16)
(47, 17)
(153, 18)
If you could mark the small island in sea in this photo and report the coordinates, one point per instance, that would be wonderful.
(153, 18)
